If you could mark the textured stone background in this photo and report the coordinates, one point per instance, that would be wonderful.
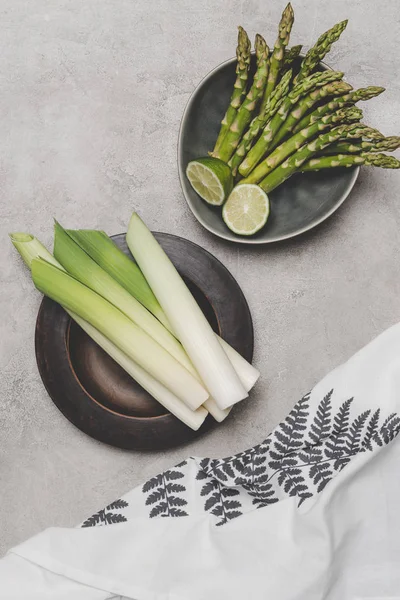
(91, 95)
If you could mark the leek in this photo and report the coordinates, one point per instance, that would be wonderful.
(219, 414)
(247, 374)
(185, 316)
(105, 253)
(112, 259)
(120, 330)
(30, 248)
(81, 266)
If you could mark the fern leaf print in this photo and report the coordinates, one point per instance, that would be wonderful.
(107, 516)
(165, 494)
(297, 460)
(355, 433)
(321, 425)
(372, 430)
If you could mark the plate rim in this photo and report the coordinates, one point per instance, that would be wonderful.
(59, 394)
(230, 236)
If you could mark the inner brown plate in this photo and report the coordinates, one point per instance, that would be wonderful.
(97, 395)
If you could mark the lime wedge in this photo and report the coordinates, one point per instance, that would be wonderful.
(211, 178)
(247, 209)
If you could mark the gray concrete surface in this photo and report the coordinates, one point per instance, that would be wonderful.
(91, 95)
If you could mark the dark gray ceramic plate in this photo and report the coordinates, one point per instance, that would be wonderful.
(298, 205)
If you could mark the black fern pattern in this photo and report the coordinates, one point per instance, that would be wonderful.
(388, 431)
(219, 497)
(321, 426)
(106, 516)
(372, 430)
(298, 459)
(165, 494)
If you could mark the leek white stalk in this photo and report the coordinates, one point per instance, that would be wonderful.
(248, 374)
(120, 330)
(30, 248)
(81, 266)
(219, 414)
(107, 255)
(112, 259)
(185, 316)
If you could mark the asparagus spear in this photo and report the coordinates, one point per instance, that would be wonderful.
(294, 162)
(320, 49)
(352, 98)
(249, 104)
(290, 57)
(278, 53)
(388, 144)
(297, 141)
(305, 104)
(243, 54)
(271, 129)
(257, 124)
(350, 160)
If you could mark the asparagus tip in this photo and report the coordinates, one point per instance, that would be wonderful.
(289, 9)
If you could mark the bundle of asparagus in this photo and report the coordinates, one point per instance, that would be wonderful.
(292, 117)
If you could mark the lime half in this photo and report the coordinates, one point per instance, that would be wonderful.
(247, 209)
(211, 178)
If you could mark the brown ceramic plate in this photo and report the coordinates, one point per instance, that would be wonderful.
(97, 396)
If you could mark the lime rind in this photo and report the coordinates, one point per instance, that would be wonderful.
(211, 178)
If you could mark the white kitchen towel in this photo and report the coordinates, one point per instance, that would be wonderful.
(311, 513)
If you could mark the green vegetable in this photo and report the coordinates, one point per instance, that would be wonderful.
(249, 105)
(278, 53)
(79, 264)
(334, 88)
(298, 140)
(318, 52)
(97, 245)
(271, 129)
(294, 162)
(259, 122)
(30, 248)
(341, 102)
(119, 329)
(290, 56)
(108, 256)
(243, 54)
(350, 160)
(185, 316)
(388, 144)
